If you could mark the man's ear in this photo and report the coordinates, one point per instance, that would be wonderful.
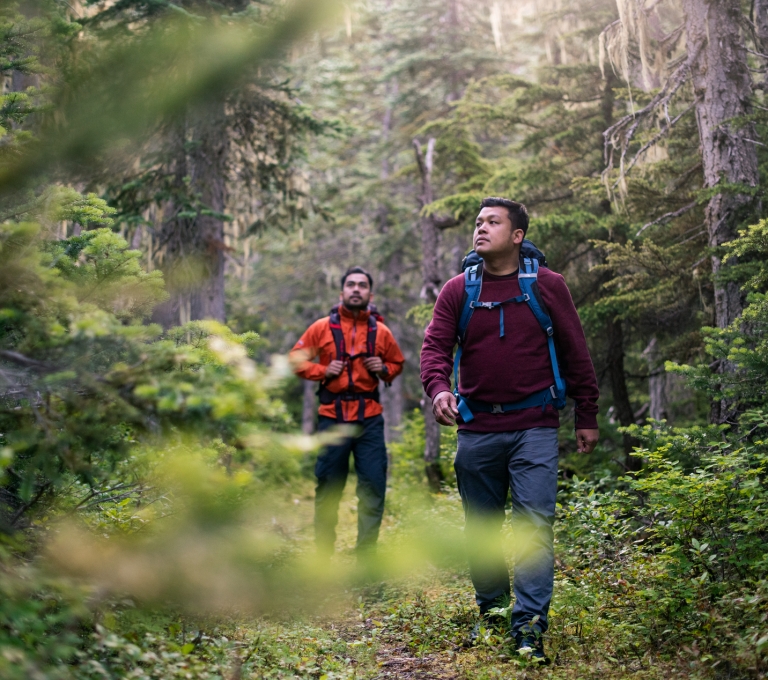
(517, 236)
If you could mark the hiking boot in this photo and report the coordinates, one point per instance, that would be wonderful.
(474, 634)
(487, 621)
(531, 646)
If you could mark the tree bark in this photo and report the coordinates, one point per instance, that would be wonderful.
(722, 87)
(657, 382)
(391, 397)
(190, 249)
(760, 19)
(393, 403)
(309, 407)
(615, 331)
(208, 179)
(622, 407)
(430, 234)
(430, 274)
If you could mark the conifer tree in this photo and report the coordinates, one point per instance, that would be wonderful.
(240, 149)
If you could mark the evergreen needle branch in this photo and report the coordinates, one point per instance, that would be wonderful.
(132, 86)
(550, 199)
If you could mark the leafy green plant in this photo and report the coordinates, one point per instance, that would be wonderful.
(677, 560)
(85, 378)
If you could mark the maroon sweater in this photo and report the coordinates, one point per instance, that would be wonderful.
(509, 369)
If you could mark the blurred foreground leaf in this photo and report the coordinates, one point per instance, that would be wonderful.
(118, 92)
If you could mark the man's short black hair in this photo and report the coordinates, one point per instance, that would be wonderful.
(356, 270)
(518, 214)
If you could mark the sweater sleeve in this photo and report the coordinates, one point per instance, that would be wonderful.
(573, 354)
(305, 350)
(440, 339)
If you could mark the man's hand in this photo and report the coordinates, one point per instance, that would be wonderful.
(586, 440)
(334, 369)
(445, 409)
(374, 364)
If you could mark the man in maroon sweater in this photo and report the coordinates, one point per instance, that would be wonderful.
(515, 449)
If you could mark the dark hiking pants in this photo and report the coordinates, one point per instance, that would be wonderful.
(331, 470)
(487, 466)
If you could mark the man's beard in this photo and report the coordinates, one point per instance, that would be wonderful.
(356, 306)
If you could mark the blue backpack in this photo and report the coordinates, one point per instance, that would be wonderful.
(530, 260)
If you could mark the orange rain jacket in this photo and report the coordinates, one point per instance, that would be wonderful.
(317, 341)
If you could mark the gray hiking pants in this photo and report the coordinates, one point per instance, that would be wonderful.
(487, 466)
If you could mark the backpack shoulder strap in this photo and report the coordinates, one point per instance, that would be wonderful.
(528, 279)
(473, 283)
(371, 340)
(334, 322)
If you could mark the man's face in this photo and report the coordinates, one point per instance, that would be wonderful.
(494, 234)
(356, 293)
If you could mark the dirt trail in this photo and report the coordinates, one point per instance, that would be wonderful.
(396, 662)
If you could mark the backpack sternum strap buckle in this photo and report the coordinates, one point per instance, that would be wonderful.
(497, 408)
(485, 305)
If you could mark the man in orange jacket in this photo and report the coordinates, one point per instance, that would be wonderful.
(355, 351)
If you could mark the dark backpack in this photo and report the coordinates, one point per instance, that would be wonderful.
(328, 397)
(531, 258)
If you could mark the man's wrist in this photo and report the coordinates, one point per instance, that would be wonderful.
(434, 399)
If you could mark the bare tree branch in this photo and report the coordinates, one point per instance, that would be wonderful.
(22, 360)
(621, 133)
(444, 222)
(656, 138)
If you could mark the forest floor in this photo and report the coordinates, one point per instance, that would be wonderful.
(413, 627)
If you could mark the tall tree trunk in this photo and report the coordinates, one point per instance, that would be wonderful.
(191, 248)
(391, 397)
(615, 331)
(430, 274)
(723, 87)
(760, 19)
(393, 402)
(621, 404)
(657, 382)
(308, 407)
(208, 179)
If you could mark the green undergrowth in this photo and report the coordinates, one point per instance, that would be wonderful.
(661, 577)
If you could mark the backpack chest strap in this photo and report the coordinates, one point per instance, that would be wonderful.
(475, 304)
